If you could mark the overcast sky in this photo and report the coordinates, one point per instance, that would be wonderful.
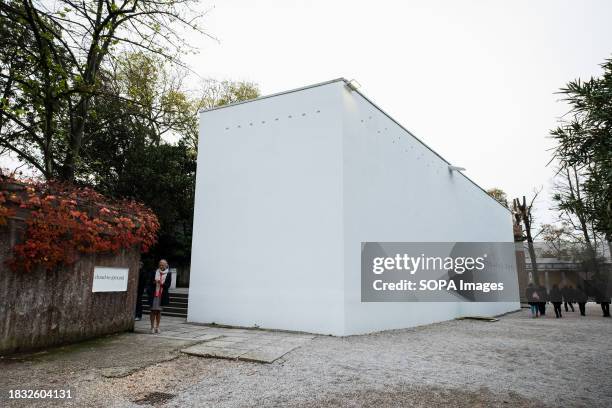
(475, 80)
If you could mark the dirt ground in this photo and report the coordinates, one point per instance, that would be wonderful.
(515, 362)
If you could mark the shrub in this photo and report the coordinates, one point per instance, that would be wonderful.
(64, 221)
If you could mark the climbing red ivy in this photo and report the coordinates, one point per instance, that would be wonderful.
(5, 211)
(64, 221)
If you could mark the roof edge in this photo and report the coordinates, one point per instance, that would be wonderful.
(425, 144)
(275, 94)
(342, 79)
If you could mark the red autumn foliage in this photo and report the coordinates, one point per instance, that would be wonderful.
(64, 221)
(5, 212)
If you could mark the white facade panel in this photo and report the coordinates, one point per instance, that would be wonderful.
(287, 189)
(397, 190)
(267, 244)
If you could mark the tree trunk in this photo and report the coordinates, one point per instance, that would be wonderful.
(579, 210)
(76, 139)
(532, 253)
(522, 213)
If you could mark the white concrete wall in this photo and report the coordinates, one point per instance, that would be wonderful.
(398, 190)
(287, 189)
(267, 244)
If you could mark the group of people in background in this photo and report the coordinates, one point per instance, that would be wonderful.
(538, 296)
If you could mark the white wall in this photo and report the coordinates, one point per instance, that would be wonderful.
(267, 245)
(398, 190)
(283, 204)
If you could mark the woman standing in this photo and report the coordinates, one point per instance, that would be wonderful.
(161, 296)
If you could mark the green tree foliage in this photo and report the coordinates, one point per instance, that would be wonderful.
(53, 55)
(32, 82)
(213, 93)
(140, 145)
(584, 151)
(499, 195)
(127, 152)
(93, 92)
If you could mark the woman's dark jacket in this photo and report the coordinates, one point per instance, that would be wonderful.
(529, 295)
(569, 294)
(165, 298)
(555, 295)
(580, 296)
(543, 294)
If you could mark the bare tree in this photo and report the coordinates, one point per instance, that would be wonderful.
(574, 208)
(560, 240)
(523, 212)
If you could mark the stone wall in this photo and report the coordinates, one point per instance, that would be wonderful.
(40, 309)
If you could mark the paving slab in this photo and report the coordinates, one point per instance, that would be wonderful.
(266, 355)
(222, 342)
(202, 350)
(191, 339)
(206, 337)
(235, 338)
(257, 348)
(218, 342)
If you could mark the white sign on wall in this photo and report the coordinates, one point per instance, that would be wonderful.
(107, 279)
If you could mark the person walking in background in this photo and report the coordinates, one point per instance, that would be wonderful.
(581, 298)
(161, 296)
(603, 298)
(605, 307)
(556, 298)
(532, 300)
(543, 295)
(568, 297)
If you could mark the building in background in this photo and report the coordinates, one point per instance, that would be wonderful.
(562, 266)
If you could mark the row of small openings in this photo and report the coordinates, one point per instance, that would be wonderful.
(418, 157)
(263, 122)
(430, 163)
(394, 139)
(378, 131)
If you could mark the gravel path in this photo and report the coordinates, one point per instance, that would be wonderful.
(565, 362)
(516, 361)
